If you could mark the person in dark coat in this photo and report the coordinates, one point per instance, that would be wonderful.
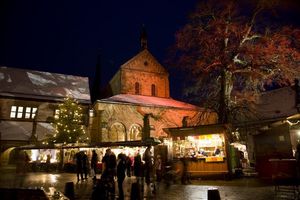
(79, 170)
(85, 162)
(128, 165)
(121, 168)
(148, 159)
(105, 160)
(94, 162)
(137, 165)
(110, 163)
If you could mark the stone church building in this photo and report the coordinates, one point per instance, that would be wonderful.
(140, 97)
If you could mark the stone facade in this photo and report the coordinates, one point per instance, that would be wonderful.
(124, 122)
(141, 92)
(144, 70)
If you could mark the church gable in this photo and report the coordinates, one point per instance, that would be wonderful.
(144, 61)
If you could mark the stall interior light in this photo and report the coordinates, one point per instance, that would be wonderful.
(191, 138)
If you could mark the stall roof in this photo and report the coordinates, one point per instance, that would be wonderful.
(197, 130)
(150, 141)
(56, 146)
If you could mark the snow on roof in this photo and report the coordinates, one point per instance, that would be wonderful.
(42, 85)
(149, 101)
(16, 130)
(277, 103)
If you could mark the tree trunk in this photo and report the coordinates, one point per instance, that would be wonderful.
(225, 92)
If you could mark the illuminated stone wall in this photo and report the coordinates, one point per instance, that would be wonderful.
(144, 69)
(145, 80)
(123, 122)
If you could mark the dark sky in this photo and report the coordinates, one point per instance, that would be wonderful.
(64, 36)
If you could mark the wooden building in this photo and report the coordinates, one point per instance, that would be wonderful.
(205, 149)
(28, 100)
(274, 135)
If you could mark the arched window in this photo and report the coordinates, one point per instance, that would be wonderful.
(117, 132)
(135, 132)
(137, 88)
(153, 90)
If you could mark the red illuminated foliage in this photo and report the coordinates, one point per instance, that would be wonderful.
(231, 50)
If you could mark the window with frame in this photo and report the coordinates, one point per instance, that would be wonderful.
(13, 112)
(23, 112)
(20, 112)
(153, 90)
(30, 113)
(137, 88)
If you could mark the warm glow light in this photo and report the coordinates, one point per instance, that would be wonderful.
(34, 155)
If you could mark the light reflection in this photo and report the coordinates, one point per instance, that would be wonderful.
(53, 178)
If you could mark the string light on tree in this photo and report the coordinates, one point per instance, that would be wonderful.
(68, 123)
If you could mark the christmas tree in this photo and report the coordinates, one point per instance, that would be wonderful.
(68, 123)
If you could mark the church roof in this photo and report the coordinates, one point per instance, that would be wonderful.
(144, 61)
(42, 85)
(149, 101)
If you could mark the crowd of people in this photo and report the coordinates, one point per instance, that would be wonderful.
(122, 165)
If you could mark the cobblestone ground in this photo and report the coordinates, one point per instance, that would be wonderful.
(240, 189)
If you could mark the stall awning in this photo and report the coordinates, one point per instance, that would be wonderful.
(55, 146)
(197, 130)
(136, 143)
(147, 142)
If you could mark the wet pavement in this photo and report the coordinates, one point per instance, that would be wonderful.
(238, 189)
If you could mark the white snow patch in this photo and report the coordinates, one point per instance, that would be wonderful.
(39, 80)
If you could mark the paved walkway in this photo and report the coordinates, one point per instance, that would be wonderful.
(239, 189)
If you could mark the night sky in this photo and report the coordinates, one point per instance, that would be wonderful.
(65, 36)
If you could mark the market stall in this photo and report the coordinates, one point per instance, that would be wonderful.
(205, 148)
(44, 157)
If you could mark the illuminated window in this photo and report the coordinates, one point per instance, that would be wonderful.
(13, 112)
(20, 112)
(91, 112)
(33, 112)
(153, 92)
(56, 113)
(135, 132)
(27, 112)
(30, 112)
(137, 88)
